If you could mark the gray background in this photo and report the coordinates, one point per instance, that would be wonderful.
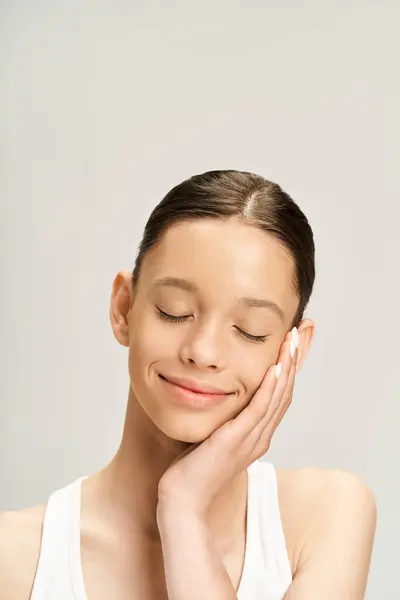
(104, 107)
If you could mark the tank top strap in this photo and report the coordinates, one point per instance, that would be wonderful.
(60, 544)
(267, 572)
(271, 527)
(249, 586)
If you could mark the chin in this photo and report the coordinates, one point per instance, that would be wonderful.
(183, 428)
(183, 424)
(187, 426)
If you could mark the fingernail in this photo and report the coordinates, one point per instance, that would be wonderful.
(278, 369)
(294, 342)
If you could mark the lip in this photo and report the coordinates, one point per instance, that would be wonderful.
(194, 386)
(190, 398)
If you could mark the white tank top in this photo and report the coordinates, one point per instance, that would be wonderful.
(266, 571)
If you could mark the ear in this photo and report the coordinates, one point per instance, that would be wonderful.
(120, 306)
(306, 331)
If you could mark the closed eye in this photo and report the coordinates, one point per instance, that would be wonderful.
(171, 318)
(179, 319)
(252, 338)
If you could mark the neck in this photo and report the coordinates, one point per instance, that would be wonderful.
(125, 492)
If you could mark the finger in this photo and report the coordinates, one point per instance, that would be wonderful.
(286, 400)
(272, 426)
(280, 403)
(283, 389)
(254, 412)
(247, 423)
(278, 393)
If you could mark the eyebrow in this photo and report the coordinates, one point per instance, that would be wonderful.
(190, 286)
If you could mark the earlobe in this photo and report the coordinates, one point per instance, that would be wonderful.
(121, 333)
(306, 331)
(119, 326)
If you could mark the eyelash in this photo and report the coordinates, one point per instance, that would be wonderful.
(257, 339)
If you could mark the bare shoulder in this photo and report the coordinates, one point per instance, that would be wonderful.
(20, 538)
(310, 496)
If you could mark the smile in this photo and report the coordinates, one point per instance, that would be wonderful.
(193, 398)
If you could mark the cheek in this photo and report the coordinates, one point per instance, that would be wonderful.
(148, 344)
(252, 366)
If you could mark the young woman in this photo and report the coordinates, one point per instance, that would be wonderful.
(213, 317)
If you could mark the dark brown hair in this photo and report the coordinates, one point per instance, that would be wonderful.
(246, 197)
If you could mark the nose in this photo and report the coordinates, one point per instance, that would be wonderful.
(204, 347)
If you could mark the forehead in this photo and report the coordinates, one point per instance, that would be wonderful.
(225, 258)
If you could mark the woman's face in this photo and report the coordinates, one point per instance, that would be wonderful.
(221, 339)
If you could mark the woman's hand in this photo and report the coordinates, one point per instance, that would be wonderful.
(194, 479)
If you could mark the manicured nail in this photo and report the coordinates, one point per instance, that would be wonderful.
(278, 369)
(294, 342)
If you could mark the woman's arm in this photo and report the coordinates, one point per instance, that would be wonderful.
(335, 559)
(334, 562)
(193, 567)
(187, 490)
(20, 533)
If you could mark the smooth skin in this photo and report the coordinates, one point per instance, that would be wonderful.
(135, 509)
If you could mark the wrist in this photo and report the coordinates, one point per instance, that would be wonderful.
(173, 517)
